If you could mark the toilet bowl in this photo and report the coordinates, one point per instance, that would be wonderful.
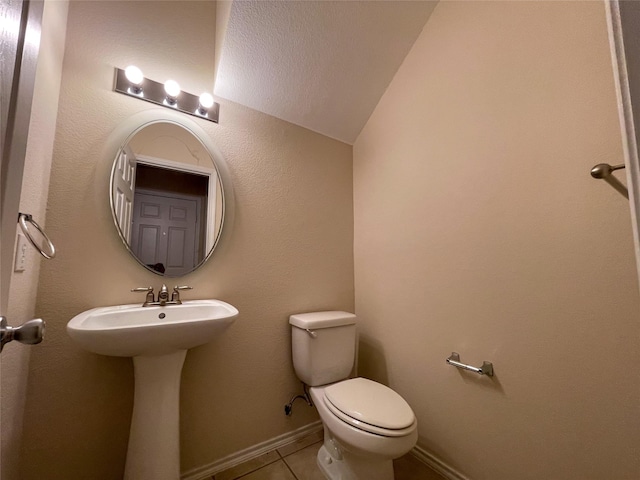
(362, 435)
(366, 424)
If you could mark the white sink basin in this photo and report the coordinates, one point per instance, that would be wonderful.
(133, 330)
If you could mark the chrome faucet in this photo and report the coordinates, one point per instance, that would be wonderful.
(163, 295)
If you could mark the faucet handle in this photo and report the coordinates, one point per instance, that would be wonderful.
(175, 296)
(142, 289)
(149, 291)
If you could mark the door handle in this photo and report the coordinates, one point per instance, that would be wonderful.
(29, 333)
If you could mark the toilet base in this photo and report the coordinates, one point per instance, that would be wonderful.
(343, 465)
(327, 465)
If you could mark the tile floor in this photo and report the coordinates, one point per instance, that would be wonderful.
(297, 461)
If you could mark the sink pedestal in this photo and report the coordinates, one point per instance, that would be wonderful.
(154, 440)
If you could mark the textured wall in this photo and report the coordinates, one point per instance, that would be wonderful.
(289, 250)
(33, 199)
(478, 229)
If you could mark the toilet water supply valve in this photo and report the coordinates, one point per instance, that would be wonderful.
(306, 397)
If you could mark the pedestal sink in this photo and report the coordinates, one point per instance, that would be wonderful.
(158, 339)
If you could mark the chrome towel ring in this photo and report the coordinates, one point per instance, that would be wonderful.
(23, 219)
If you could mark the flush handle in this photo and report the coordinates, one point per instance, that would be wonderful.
(311, 333)
(29, 333)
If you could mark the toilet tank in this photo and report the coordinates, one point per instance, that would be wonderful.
(323, 346)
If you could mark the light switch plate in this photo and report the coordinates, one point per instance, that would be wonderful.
(21, 254)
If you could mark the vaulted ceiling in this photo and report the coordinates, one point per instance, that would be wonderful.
(322, 65)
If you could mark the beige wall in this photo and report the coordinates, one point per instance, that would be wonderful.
(479, 230)
(33, 199)
(289, 250)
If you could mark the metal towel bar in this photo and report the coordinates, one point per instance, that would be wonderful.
(604, 171)
(486, 369)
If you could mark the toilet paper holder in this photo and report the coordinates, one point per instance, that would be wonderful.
(485, 369)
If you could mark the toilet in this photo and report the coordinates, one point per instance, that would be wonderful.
(366, 424)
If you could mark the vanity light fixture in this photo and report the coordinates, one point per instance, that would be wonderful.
(131, 82)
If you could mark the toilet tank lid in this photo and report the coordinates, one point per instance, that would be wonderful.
(322, 319)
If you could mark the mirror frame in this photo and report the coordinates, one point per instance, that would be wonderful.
(128, 129)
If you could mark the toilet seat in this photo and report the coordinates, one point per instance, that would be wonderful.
(370, 406)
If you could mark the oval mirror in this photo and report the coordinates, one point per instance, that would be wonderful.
(167, 198)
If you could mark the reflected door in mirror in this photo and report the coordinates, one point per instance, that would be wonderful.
(167, 232)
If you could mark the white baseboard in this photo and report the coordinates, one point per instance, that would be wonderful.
(436, 464)
(250, 453)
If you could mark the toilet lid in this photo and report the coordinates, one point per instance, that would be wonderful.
(370, 406)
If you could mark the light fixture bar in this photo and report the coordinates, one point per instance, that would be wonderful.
(154, 92)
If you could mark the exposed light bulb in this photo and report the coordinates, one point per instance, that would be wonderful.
(206, 100)
(205, 103)
(172, 88)
(134, 75)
